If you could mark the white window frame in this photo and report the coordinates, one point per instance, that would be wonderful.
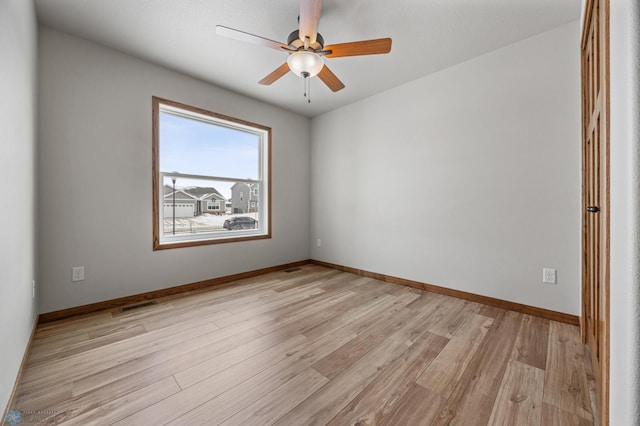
(162, 241)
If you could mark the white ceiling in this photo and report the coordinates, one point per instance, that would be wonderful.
(428, 35)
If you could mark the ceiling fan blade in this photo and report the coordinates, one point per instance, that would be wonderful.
(309, 19)
(355, 48)
(249, 38)
(330, 79)
(275, 75)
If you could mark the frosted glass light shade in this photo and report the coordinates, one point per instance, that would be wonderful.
(305, 62)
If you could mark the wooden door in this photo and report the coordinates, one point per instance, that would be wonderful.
(595, 197)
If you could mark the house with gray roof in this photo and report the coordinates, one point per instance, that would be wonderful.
(192, 201)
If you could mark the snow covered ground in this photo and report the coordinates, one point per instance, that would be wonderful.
(203, 223)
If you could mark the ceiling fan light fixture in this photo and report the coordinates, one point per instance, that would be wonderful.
(305, 63)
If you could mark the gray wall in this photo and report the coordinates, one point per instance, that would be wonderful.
(18, 56)
(95, 143)
(489, 153)
(625, 208)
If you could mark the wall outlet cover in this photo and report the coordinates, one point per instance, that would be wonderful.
(549, 276)
(77, 273)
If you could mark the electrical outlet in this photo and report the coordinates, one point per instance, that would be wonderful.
(548, 275)
(77, 273)
(318, 242)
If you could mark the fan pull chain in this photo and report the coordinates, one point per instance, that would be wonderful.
(307, 86)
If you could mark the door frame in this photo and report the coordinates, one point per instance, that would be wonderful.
(602, 374)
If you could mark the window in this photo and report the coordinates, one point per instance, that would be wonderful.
(203, 164)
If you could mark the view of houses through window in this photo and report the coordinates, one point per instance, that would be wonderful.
(194, 209)
(212, 177)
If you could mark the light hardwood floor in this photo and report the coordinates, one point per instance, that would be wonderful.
(313, 346)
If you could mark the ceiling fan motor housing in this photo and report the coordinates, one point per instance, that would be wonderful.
(295, 43)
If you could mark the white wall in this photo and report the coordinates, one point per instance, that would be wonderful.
(18, 56)
(468, 178)
(95, 147)
(625, 208)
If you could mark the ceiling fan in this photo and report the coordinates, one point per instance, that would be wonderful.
(307, 50)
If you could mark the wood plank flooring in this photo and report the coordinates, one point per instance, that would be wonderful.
(313, 346)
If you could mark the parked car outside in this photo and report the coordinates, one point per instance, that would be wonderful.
(240, 222)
